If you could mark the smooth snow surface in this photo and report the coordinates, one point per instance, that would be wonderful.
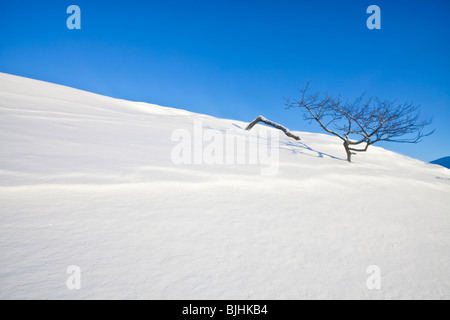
(89, 180)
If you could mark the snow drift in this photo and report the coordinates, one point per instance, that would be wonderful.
(89, 181)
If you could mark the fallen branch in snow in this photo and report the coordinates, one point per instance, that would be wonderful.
(273, 124)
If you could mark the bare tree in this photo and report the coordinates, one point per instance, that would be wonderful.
(362, 122)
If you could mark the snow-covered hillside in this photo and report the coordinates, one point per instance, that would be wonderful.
(94, 182)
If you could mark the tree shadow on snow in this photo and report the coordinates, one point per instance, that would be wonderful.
(299, 147)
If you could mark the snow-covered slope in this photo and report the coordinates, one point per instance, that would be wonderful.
(91, 181)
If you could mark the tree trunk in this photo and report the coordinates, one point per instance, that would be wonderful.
(273, 124)
(348, 151)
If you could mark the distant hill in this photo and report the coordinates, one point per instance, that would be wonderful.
(445, 162)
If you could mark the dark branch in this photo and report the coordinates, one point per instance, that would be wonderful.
(273, 124)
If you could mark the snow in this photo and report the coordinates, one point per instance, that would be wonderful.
(89, 180)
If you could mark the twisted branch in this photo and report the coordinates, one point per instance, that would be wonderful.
(273, 124)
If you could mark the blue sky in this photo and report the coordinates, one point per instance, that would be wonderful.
(238, 59)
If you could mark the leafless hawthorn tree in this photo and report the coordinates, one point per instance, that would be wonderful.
(362, 122)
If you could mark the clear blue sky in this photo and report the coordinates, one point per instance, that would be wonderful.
(238, 59)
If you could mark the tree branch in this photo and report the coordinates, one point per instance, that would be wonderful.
(273, 124)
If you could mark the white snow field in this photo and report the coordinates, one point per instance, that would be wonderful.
(92, 182)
